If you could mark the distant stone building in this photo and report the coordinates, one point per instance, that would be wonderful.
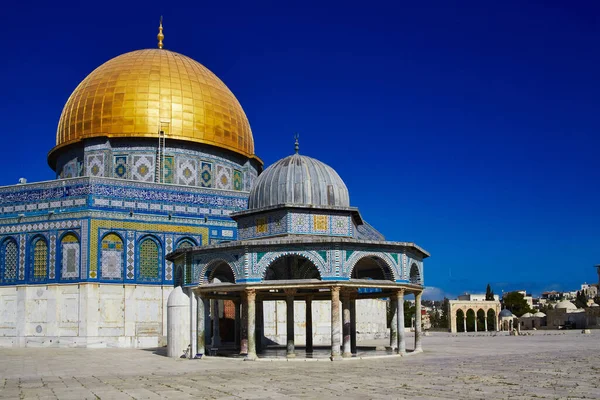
(466, 315)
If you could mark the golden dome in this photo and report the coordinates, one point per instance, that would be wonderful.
(138, 93)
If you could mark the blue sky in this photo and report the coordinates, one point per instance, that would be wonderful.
(468, 128)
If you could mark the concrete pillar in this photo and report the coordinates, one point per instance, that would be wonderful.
(418, 325)
(335, 323)
(347, 352)
(309, 325)
(201, 325)
(251, 311)
(244, 332)
(216, 336)
(260, 325)
(353, 323)
(394, 324)
(178, 309)
(237, 322)
(289, 302)
(400, 322)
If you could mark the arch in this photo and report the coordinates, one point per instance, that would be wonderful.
(290, 267)
(112, 257)
(491, 319)
(149, 260)
(384, 258)
(271, 257)
(219, 270)
(39, 258)
(9, 260)
(481, 325)
(69, 256)
(185, 243)
(203, 273)
(470, 316)
(373, 267)
(415, 274)
(460, 320)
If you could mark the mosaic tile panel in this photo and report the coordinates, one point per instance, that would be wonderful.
(300, 223)
(340, 225)
(237, 180)
(169, 264)
(142, 168)
(51, 272)
(206, 175)
(187, 171)
(261, 225)
(85, 246)
(130, 255)
(120, 167)
(94, 164)
(70, 257)
(168, 169)
(223, 177)
(321, 223)
(112, 257)
(10, 260)
(70, 169)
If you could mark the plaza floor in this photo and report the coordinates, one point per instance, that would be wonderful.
(551, 365)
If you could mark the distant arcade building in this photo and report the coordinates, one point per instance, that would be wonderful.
(298, 241)
(474, 314)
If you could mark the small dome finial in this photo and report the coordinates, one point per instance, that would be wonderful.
(296, 145)
(160, 35)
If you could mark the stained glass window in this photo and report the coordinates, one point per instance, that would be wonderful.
(9, 259)
(149, 261)
(111, 259)
(40, 259)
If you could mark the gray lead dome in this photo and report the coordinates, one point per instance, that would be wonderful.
(299, 180)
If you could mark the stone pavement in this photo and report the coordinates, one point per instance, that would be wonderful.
(549, 365)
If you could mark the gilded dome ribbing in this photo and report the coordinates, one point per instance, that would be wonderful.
(138, 93)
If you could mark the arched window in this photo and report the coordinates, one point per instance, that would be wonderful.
(415, 275)
(185, 244)
(69, 247)
(9, 259)
(40, 259)
(111, 260)
(149, 261)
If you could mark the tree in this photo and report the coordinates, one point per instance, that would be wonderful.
(581, 300)
(516, 303)
(444, 321)
(489, 293)
(409, 313)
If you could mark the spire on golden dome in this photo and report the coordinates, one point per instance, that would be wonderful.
(160, 35)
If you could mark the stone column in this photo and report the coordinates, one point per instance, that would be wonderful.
(394, 324)
(289, 302)
(251, 311)
(476, 322)
(400, 322)
(347, 352)
(465, 323)
(244, 330)
(200, 315)
(353, 323)
(193, 324)
(335, 323)
(309, 326)
(216, 337)
(260, 325)
(485, 322)
(418, 326)
(238, 322)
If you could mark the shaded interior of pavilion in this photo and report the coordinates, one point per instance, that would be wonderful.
(476, 320)
(230, 316)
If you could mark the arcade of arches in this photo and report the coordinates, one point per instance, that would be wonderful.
(474, 316)
(295, 279)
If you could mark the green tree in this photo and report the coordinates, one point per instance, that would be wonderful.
(516, 303)
(489, 293)
(445, 311)
(580, 300)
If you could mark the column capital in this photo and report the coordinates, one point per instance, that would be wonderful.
(290, 292)
(250, 294)
(335, 289)
(400, 292)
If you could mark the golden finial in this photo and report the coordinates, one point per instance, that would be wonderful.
(160, 34)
